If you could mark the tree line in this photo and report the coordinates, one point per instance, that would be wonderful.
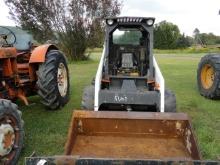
(167, 36)
(76, 25)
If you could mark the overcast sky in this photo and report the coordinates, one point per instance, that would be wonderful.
(187, 14)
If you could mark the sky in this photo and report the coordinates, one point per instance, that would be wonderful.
(187, 14)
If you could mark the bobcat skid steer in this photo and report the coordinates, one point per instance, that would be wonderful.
(128, 76)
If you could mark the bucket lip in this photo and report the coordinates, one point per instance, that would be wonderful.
(73, 159)
(130, 115)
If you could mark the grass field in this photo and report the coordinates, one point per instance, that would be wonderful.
(46, 131)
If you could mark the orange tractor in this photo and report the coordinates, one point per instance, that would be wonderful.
(27, 70)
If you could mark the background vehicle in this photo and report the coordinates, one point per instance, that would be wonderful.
(27, 70)
(208, 76)
(128, 77)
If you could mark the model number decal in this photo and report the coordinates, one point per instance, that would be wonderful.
(121, 98)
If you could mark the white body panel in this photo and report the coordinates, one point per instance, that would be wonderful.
(98, 79)
(159, 80)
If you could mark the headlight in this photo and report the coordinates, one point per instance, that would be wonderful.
(110, 22)
(150, 22)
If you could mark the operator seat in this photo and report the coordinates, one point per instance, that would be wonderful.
(127, 60)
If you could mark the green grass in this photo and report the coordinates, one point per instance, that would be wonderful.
(46, 131)
(189, 50)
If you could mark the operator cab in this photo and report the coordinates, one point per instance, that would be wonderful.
(128, 55)
(128, 79)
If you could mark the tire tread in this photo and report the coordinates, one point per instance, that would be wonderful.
(214, 91)
(46, 80)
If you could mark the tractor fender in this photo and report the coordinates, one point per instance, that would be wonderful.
(38, 54)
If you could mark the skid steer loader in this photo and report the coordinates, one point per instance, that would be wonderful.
(128, 76)
(128, 79)
(26, 70)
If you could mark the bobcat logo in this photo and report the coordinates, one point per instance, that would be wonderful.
(120, 98)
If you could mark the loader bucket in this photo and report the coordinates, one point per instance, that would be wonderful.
(131, 136)
(125, 138)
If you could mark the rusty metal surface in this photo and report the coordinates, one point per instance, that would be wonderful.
(130, 115)
(130, 147)
(73, 160)
(135, 135)
(7, 52)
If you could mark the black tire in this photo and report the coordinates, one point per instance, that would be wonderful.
(9, 114)
(47, 82)
(212, 91)
(170, 101)
(88, 98)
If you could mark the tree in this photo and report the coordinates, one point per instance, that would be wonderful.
(196, 31)
(96, 36)
(166, 35)
(205, 38)
(183, 41)
(76, 24)
(197, 37)
(209, 38)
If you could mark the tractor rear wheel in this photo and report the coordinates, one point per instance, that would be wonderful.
(11, 132)
(53, 80)
(208, 76)
(170, 101)
(88, 98)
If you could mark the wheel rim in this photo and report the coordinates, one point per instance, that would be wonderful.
(62, 79)
(9, 137)
(207, 76)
